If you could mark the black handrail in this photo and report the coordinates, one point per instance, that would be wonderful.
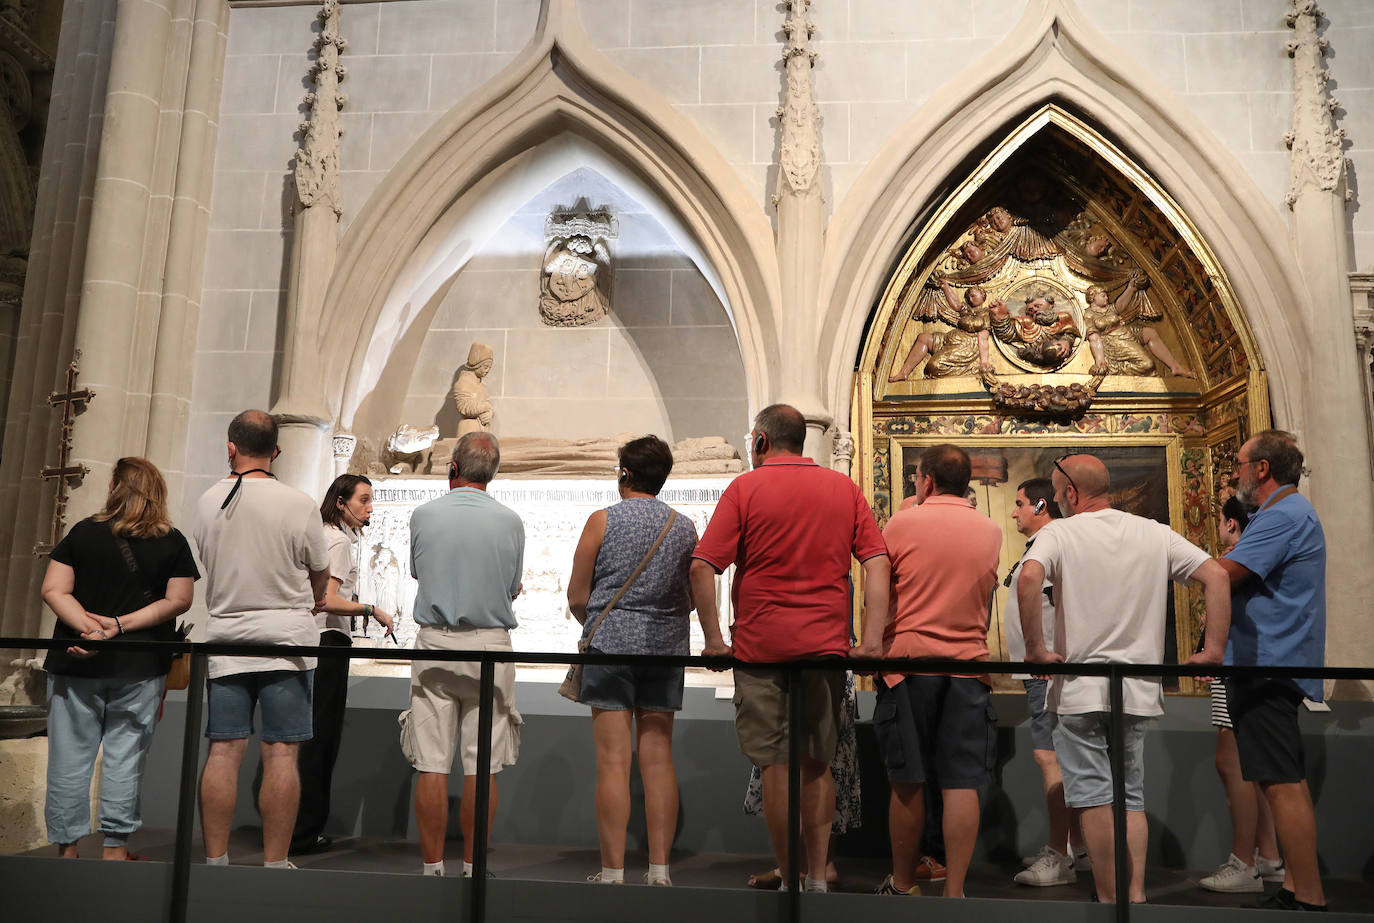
(1116, 674)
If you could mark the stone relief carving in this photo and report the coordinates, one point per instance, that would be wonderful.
(1316, 142)
(575, 286)
(408, 449)
(470, 395)
(538, 457)
(842, 451)
(799, 116)
(317, 162)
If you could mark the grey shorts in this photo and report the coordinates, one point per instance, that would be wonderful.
(762, 708)
(936, 724)
(1042, 722)
(1082, 743)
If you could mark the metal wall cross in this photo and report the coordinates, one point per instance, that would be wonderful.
(72, 401)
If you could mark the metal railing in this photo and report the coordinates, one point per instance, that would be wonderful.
(1115, 673)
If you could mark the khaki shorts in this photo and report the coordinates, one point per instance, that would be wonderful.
(761, 704)
(444, 699)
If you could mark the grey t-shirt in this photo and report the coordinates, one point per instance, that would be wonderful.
(467, 551)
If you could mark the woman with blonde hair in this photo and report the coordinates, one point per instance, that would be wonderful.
(123, 572)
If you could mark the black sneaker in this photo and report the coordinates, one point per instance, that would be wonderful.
(887, 887)
(1283, 899)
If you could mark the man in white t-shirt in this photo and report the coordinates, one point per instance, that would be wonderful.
(1110, 571)
(266, 567)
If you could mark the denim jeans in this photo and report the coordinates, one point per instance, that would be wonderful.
(83, 713)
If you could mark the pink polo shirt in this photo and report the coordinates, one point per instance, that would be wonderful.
(944, 568)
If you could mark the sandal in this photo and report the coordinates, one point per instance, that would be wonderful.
(766, 881)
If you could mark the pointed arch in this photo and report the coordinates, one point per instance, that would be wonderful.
(1053, 56)
(400, 248)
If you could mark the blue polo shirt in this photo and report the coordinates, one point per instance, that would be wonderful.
(467, 552)
(1278, 617)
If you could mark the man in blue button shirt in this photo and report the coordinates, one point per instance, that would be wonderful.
(1278, 618)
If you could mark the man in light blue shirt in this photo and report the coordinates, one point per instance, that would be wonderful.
(467, 553)
(1278, 618)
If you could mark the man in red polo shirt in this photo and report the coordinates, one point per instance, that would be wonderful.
(790, 527)
(944, 568)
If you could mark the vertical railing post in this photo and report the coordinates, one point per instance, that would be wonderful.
(795, 695)
(186, 797)
(486, 692)
(1117, 755)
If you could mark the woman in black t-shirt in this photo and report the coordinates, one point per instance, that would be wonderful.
(123, 571)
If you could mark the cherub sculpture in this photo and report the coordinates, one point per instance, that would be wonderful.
(1121, 343)
(961, 350)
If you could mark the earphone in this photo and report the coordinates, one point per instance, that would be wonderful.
(452, 471)
(1039, 507)
(622, 474)
(760, 443)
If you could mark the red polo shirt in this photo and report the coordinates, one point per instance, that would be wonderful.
(790, 528)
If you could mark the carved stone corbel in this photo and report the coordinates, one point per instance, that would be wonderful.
(800, 147)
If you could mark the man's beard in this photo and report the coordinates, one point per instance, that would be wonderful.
(1245, 493)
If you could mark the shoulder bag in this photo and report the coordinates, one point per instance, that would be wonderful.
(571, 687)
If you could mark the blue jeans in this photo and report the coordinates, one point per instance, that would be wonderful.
(83, 713)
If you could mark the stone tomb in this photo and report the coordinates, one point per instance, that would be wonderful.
(554, 512)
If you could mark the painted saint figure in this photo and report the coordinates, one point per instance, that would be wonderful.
(470, 395)
(960, 350)
(1042, 336)
(1120, 343)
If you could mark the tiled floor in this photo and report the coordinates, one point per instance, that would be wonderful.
(1171, 887)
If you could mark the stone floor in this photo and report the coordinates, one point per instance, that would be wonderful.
(1169, 887)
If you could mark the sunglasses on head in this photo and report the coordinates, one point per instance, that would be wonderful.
(1063, 472)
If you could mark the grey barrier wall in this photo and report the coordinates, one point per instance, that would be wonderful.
(546, 798)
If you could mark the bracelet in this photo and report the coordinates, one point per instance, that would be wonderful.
(119, 624)
(367, 610)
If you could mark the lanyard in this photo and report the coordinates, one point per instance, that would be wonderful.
(1276, 497)
(239, 483)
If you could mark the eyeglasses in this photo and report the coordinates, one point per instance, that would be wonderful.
(1065, 473)
(1252, 461)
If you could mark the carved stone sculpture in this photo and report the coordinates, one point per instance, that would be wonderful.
(574, 288)
(407, 449)
(1120, 342)
(470, 395)
(593, 457)
(317, 162)
(1318, 160)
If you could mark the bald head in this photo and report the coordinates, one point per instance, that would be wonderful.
(1081, 483)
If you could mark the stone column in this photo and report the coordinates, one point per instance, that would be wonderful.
(1337, 452)
(1362, 308)
(300, 409)
(801, 233)
(51, 299)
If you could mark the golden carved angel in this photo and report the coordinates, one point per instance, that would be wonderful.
(1120, 340)
(961, 350)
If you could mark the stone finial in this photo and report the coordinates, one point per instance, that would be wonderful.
(801, 143)
(317, 162)
(1316, 162)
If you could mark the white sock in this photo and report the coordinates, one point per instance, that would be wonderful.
(279, 864)
(467, 869)
(657, 871)
(815, 886)
(435, 868)
(609, 875)
(217, 860)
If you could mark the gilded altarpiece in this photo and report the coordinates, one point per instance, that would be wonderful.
(1060, 301)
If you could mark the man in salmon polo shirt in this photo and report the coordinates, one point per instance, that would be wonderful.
(944, 569)
(791, 527)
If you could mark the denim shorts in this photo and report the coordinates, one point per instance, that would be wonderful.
(285, 697)
(1042, 722)
(622, 687)
(1082, 743)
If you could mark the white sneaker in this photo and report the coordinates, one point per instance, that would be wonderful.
(1233, 875)
(1269, 870)
(1051, 868)
(663, 882)
(596, 878)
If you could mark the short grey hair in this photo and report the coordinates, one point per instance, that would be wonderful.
(477, 456)
(1280, 449)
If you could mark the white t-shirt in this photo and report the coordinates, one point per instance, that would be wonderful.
(343, 564)
(1011, 619)
(1111, 573)
(257, 554)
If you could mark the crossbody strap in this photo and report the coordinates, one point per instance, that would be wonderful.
(132, 564)
(615, 600)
